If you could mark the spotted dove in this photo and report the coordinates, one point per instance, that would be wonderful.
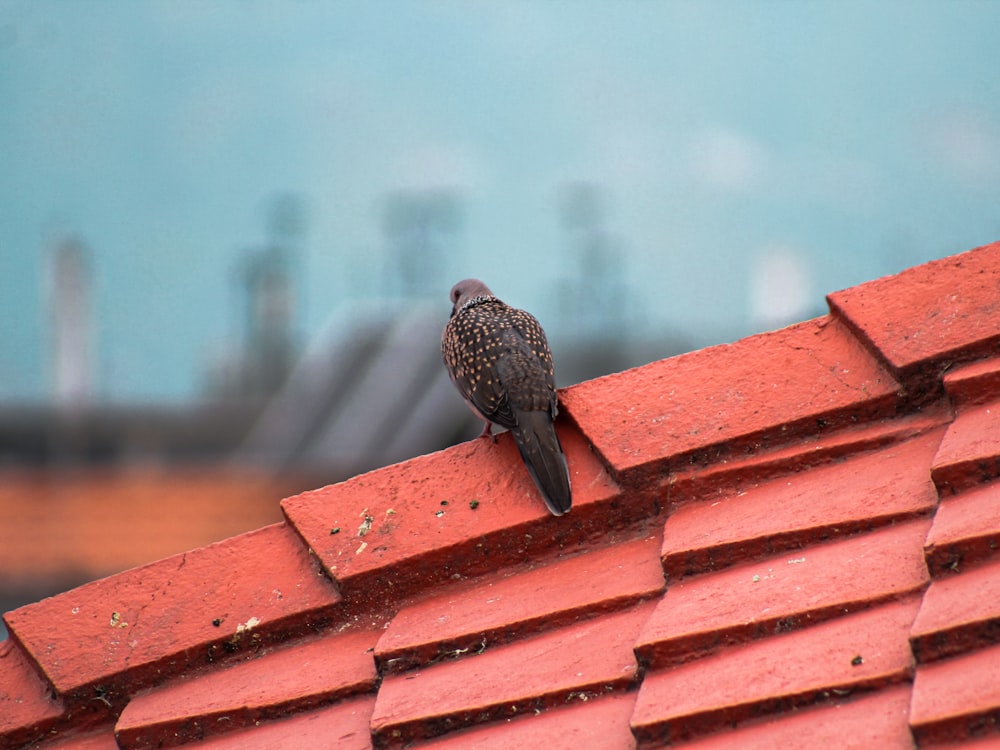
(499, 360)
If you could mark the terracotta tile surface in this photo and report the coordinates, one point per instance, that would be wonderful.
(865, 650)
(863, 722)
(932, 314)
(101, 740)
(966, 530)
(871, 490)
(973, 383)
(311, 673)
(488, 613)
(27, 707)
(343, 726)
(959, 613)
(789, 541)
(970, 450)
(957, 698)
(591, 723)
(579, 661)
(782, 593)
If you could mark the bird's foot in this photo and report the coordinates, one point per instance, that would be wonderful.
(488, 432)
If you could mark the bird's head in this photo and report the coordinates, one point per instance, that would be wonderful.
(465, 290)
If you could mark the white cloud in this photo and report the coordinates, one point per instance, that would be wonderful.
(726, 159)
(966, 144)
(780, 287)
(439, 165)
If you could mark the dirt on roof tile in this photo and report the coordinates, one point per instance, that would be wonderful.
(343, 726)
(855, 722)
(586, 724)
(29, 710)
(461, 511)
(973, 383)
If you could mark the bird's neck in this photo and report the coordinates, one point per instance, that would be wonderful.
(473, 301)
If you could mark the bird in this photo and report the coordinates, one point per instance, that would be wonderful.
(499, 360)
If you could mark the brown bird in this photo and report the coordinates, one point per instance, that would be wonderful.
(499, 360)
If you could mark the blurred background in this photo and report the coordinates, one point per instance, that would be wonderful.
(228, 230)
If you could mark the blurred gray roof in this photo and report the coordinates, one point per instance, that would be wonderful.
(369, 392)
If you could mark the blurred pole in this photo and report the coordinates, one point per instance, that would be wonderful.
(73, 339)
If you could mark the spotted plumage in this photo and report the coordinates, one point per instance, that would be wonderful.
(499, 360)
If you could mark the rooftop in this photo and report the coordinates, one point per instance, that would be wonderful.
(788, 541)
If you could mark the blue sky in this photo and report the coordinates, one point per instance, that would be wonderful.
(753, 156)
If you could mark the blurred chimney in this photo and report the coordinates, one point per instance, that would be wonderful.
(72, 324)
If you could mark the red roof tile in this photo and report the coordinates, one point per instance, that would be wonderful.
(344, 726)
(959, 614)
(790, 541)
(970, 451)
(966, 529)
(863, 722)
(957, 698)
(782, 593)
(871, 490)
(266, 686)
(863, 651)
(578, 662)
(479, 616)
(594, 724)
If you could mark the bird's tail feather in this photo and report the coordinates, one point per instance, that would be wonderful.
(539, 445)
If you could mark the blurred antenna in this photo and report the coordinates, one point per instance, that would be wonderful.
(73, 344)
(420, 228)
(595, 299)
(267, 277)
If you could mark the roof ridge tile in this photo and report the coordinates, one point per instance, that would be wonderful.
(921, 321)
(431, 519)
(715, 403)
(117, 635)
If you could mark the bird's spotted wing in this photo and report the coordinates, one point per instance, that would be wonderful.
(472, 345)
